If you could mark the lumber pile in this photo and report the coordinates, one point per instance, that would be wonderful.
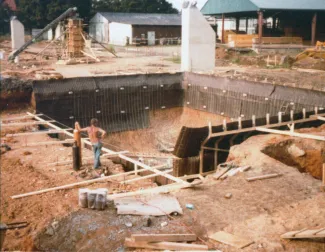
(232, 240)
(279, 40)
(241, 40)
(164, 242)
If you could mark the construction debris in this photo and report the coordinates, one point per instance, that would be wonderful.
(305, 234)
(264, 177)
(156, 205)
(231, 240)
(131, 243)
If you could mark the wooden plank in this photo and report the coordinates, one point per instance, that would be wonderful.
(144, 177)
(221, 172)
(231, 240)
(69, 186)
(290, 133)
(130, 243)
(163, 237)
(25, 124)
(155, 190)
(274, 175)
(305, 234)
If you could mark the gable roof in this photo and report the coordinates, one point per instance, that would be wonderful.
(143, 18)
(10, 3)
(213, 7)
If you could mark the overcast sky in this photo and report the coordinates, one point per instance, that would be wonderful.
(177, 3)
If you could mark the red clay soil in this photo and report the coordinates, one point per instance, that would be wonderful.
(165, 126)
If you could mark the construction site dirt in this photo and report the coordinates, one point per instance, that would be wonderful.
(257, 210)
(205, 142)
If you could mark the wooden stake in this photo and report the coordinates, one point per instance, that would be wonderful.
(69, 186)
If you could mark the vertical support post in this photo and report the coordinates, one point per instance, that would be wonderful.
(247, 25)
(316, 110)
(324, 175)
(216, 146)
(313, 29)
(254, 120)
(223, 29)
(291, 115)
(260, 26)
(136, 169)
(77, 138)
(210, 129)
(273, 22)
(201, 160)
(280, 117)
(237, 24)
(304, 113)
(323, 185)
(239, 123)
(267, 119)
(224, 123)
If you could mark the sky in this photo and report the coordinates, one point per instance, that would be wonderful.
(177, 3)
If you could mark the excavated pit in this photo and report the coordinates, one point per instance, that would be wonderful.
(307, 156)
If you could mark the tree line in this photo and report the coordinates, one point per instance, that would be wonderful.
(38, 13)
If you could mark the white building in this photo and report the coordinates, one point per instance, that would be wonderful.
(127, 28)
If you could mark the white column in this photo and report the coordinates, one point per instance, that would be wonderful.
(198, 40)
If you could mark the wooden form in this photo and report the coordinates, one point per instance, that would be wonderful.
(305, 234)
(75, 40)
(163, 237)
(240, 130)
(130, 243)
(82, 183)
(274, 175)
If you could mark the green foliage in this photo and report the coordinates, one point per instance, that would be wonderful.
(135, 6)
(5, 14)
(38, 13)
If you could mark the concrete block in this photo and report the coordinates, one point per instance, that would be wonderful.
(59, 32)
(17, 33)
(198, 41)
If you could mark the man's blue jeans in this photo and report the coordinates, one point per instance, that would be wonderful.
(97, 150)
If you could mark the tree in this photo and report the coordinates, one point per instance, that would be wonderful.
(5, 14)
(135, 6)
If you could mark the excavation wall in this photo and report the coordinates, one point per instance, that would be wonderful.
(234, 98)
(119, 102)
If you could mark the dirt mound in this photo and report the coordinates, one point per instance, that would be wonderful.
(311, 63)
(305, 155)
(90, 230)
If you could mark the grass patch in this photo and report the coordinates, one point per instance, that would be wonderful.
(176, 60)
